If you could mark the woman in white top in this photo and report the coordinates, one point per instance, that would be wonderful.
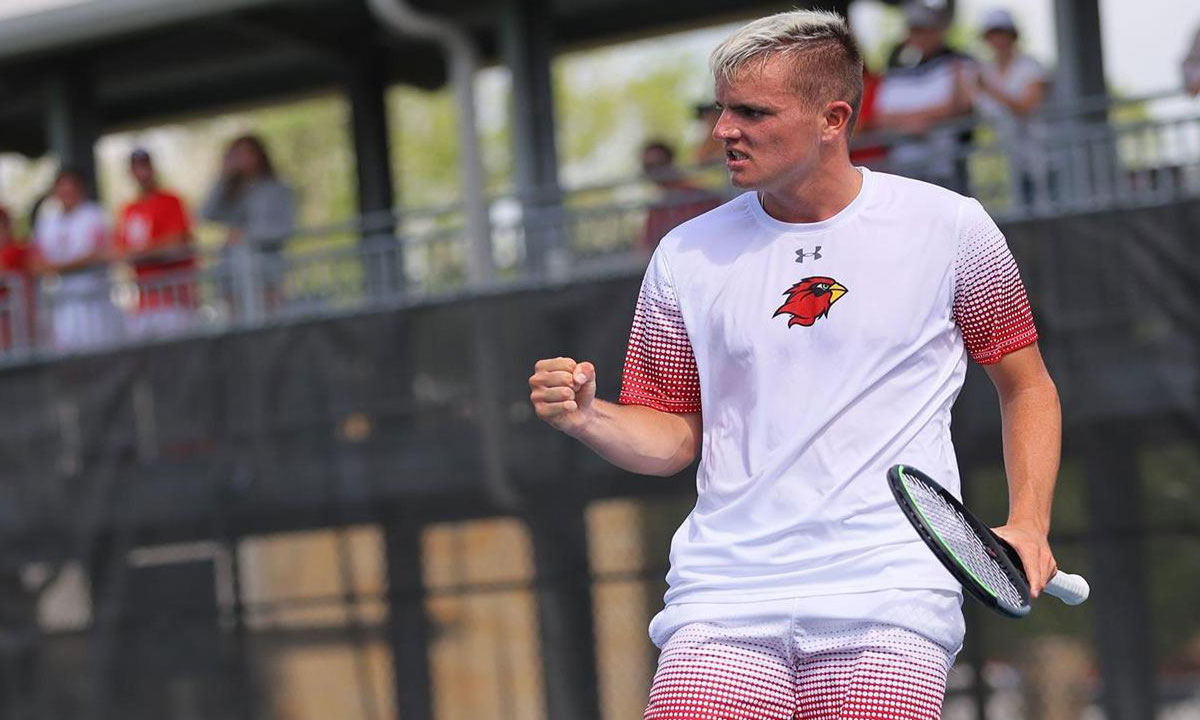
(72, 241)
(1012, 87)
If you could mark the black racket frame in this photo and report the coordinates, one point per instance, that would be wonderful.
(999, 550)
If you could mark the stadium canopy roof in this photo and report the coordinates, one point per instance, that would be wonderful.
(148, 61)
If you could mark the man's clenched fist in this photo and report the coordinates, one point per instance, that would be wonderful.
(562, 392)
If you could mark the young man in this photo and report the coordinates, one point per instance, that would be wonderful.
(71, 238)
(154, 235)
(800, 340)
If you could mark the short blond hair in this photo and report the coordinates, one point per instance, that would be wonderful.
(827, 63)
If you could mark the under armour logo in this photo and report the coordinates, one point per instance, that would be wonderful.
(815, 254)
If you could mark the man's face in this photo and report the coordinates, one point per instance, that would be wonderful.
(142, 172)
(657, 165)
(927, 39)
(771, 135)
(1001, 41)
(68, 191)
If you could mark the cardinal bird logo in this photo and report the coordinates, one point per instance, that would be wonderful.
(810, 299)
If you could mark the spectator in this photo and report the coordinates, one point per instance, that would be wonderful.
(1012, 87)
(868, 153)
(154, 235)
(257, 208)
(16, 286)
(1191, 66)
(710, 151)
(864, 146)
(72, 239)
(680, 200)
(924, 89)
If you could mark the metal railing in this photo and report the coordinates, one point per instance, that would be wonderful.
(1094, 157)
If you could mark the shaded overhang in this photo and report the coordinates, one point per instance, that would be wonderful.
(152, 61)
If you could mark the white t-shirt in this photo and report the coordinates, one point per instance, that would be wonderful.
(1015, 80)
(64, 237)
(81, 314)
(927, 85)
(819, 355)
(1026, 138)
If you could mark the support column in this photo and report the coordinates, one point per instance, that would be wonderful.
(1083, 160)
(1080, 54)
(366, 86)
(408, 625)
(565, 615)
(527, 48)
(1124, 637)
(72, 122)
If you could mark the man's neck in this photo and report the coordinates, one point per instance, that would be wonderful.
(819, 197)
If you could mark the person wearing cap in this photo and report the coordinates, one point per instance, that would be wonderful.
(924, 91)
(1012, 87)
(154, 236)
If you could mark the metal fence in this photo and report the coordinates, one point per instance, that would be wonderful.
(1088, 158)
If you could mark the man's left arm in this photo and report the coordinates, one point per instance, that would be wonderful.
(1032, 429)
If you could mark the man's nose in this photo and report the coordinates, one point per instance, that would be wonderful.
(724, 130)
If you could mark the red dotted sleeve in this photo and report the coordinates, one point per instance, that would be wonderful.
(660, 367)
(990, 304)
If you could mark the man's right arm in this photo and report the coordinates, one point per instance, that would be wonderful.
(633, 437)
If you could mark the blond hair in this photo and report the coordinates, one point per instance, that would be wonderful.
(826, 63)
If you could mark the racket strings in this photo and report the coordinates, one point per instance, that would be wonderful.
(962, 541)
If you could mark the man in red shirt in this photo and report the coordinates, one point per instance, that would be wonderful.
(17, 290)
(154, 236)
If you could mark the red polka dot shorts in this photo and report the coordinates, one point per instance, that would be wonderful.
(823, 670)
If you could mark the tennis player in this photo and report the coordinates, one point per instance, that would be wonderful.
(799, 340)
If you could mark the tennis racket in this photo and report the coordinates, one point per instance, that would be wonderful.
(986, 565)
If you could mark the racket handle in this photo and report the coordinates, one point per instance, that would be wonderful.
(1071, 589)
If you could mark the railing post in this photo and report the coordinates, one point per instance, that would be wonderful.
(247, 293)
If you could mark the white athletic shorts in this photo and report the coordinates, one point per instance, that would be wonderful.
(766, 661)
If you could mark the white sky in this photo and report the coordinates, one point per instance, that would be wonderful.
(13, 8)
(1144, 40)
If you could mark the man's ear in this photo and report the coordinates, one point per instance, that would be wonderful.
(837, 120)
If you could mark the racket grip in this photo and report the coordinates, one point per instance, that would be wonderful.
(1071, 589)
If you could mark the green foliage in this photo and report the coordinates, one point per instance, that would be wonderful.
(424, 146)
